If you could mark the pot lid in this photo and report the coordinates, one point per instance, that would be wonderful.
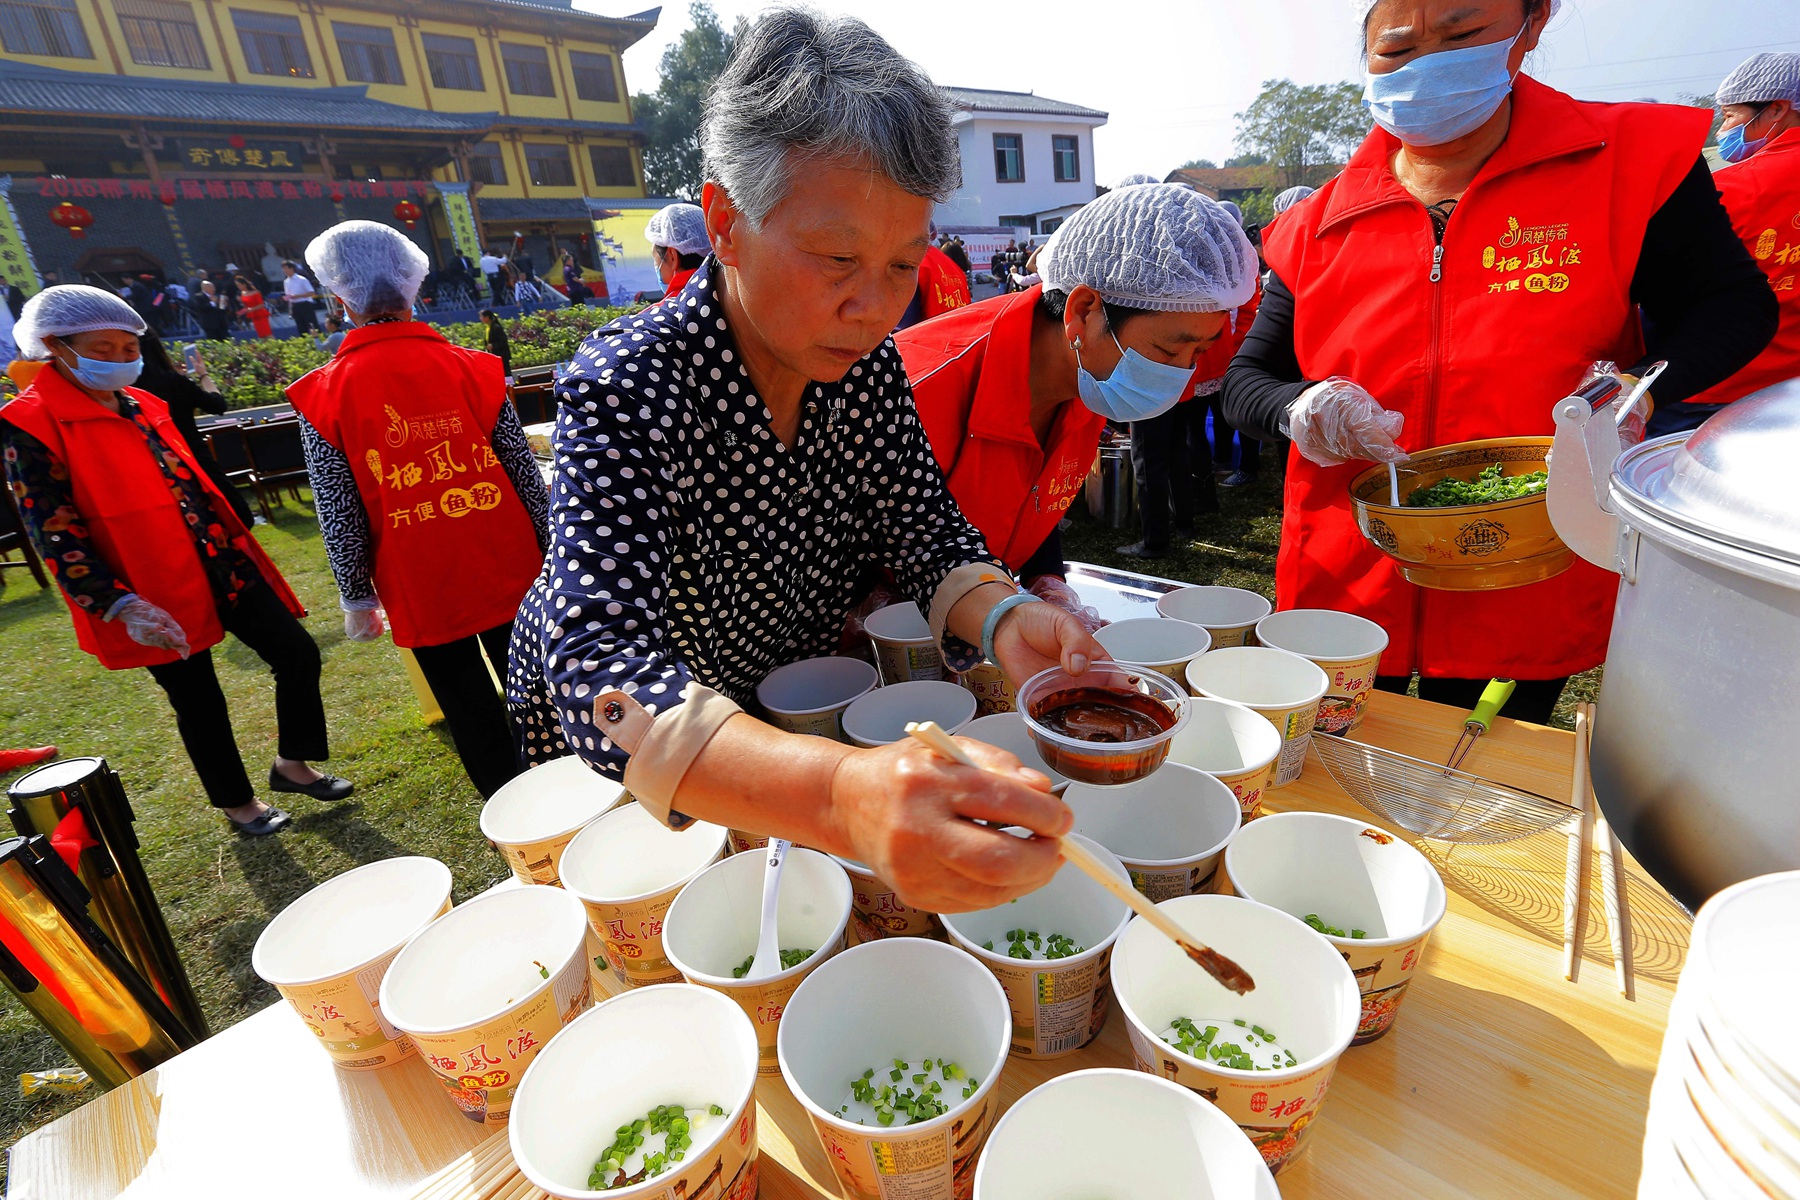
(1731, 479)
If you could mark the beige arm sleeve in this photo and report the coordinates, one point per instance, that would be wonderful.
(662, 747)
(958, 584)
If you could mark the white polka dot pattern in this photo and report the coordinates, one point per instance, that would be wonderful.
(688, 543)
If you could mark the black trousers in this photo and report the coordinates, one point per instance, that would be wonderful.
(473, 709)
(1532, 699)
(1173, 468)
(496, 289)
(263, 623)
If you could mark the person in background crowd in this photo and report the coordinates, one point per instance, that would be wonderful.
(334, 335)
(1391, 312)
(769, 410)
(140, 294)
(571, 270)
(942, 288)
(212, 311)
(1230, 466)
(1291, 197)
(493, 340)
(679, 243)
(523, 263)
(956, 252)
(579, 292)
(527, 295)
(302, 298)
(493, 269)
(227, 283)
(15, 299)
(184, 395)
(150, 556)
(1014, 391)
(428, 495)
(1760, 138)
(252, 308)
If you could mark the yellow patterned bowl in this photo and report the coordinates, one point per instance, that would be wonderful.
(1464, 548)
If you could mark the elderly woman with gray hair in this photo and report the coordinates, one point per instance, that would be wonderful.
(729, 462)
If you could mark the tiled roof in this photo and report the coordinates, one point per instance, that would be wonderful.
(507, 208)
(26, 88)
(986, 100)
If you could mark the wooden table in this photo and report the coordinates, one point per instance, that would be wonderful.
(1499, 1078)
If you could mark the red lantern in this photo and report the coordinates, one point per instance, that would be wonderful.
(72, 217)
(408, 213)
(235, 141)
(337, 194)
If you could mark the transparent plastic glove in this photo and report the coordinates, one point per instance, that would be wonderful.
(1058, 592)
(1336, 422)
(1631, 425)
(362, 619)
(149, 625)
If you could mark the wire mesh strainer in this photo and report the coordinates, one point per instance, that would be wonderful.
(1432, 800)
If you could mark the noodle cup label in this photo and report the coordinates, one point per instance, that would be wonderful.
(1057, 1009)
(1347, 694)
(1232, 635)
(994, 693)
(765, 1002)
(903, 662)
(481, 1066)
(1274, 1113)
(1164, 883)
(876, 912)
(536, 862)
(1295, 726)
(1248, 786)
(1382, 974)
(631, 936)
(888, 1165)
(826, 724)
(743, 843)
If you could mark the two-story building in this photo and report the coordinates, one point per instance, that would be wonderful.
(1027, 160)
(195, 132)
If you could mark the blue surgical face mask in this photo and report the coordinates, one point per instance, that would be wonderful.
(102, 376)
(1437, 98)
(1734, 147)
(1138, 388)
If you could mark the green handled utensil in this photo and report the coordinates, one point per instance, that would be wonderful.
(1493, 699)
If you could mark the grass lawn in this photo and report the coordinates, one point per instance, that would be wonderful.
(218, 890)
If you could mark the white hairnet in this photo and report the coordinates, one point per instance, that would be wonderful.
(1134, 179)
(1230, 206)
(68, 309)
(1153, 246)
(1362, 9)
(371, 267)
(1291, 197)
(681, 226)
(1760, 79)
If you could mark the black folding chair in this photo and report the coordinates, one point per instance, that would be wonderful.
(277, 459)
(13, 537)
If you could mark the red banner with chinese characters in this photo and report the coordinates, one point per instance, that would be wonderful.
(56, 187)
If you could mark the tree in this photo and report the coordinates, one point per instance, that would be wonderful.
(1247, 160)
(1298, 131)
(671, 114)
(1200, 164)
(1706, 101)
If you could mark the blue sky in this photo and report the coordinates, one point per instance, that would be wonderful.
(1173, 73)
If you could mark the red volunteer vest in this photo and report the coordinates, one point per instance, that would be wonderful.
(454, 546)
(678, 280)
(942, 285)
(1762, 193)
(1531, 288)
(971, 380)
(132, 518)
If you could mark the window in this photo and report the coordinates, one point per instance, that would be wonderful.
(486, 164)
(453, 62)
(612, 166)
(527, 70)
(368, 53)
(594, 79)
(1065, 155)
(273, 44)
(161, 33)
(549, 166)
(1009, 158)
(48, 27)
(1024, 223)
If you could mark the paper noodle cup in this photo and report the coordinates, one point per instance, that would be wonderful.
(485, 986)
(993, 691)
(1348, 648)
(1232, 744)
(1169, 828)
(1064, 1138)
(880, 717)
(903, 644)
(1283, 687)
(1007, 731)
(326, 953)
(743, 841)
(714, 923)
(907, 1000)
(876, 911)
(532, 819)
(1304, 995)
(1352, 876)
(810, 696)
(627, 868)
(1229, 614)
(1156, 643)
(628, 1055)
(1058, 1005)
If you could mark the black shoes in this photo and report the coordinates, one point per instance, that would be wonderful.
(1237, 479)
(325, 787)
(273, 820)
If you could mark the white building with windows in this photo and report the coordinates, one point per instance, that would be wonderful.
(1027, 160)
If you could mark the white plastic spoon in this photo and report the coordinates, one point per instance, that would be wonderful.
(768, 942)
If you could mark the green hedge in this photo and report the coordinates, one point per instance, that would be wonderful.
(251, 373)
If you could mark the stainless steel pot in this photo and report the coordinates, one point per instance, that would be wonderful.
(1696, 757)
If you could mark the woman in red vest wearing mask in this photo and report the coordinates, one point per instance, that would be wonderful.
(1485, 245)
(155, 566)
(427, 492)
(1014, 391)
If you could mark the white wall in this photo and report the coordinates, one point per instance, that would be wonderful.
(982, 200)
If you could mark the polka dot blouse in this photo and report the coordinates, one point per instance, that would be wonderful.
(687, 543)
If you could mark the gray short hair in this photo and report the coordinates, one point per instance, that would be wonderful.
(802, 85)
